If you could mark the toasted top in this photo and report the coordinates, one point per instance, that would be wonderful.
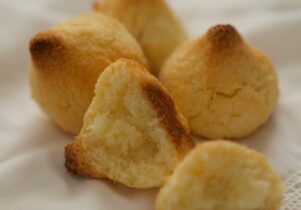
(221, 61)
(220, 58)
(89, 36)
(223, 38)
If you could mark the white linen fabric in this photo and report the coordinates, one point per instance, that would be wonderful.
(32, 173)
(292, 198)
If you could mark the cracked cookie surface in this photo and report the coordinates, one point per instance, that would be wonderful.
(225, 87)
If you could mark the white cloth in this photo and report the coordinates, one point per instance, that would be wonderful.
(292, 198)
(32, 173)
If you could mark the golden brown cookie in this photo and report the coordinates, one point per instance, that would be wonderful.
(221, 175)
(133, 133)
(224, 87)
(67, 60)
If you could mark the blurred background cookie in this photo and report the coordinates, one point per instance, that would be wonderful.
(225, 87)
(67, 60)
(152, 23)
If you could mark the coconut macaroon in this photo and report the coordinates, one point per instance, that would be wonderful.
(133, 133)
(67, 60)
(222, 175)
(151, 22)
(225, 87)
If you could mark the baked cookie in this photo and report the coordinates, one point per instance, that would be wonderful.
(225, 87)
(67, 60)
(133, 133)
(152, 23)
(222, 175)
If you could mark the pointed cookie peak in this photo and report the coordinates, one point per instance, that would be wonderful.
(43, 43)
(223, 37)
(133, 132)
(47, 48)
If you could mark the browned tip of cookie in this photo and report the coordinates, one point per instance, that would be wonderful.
(97, 6)
(44, 44)
(75, 160)
(70, 159)
(46, 49)
(223, 37)
(166, 111)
